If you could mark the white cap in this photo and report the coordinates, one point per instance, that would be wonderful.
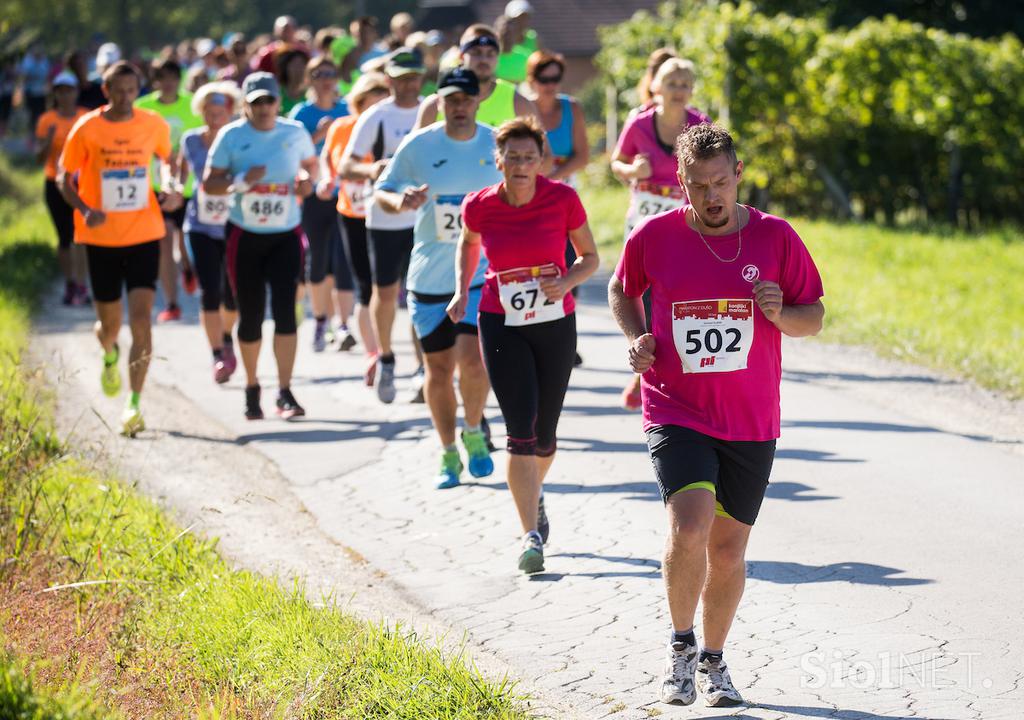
(205, 46)
(65, 78)
(515, 8)
(108, 54)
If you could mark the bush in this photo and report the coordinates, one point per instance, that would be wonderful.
(885, 119)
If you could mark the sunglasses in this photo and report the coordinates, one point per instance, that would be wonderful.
(323, 74)
(549, 79)
(265, 100)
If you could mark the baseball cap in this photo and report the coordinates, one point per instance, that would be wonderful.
(65, 78)
(515, 8)
(459, 79)
(433, 38)
(205, 46)
(403, 61)
(260, 84)
(108, 54)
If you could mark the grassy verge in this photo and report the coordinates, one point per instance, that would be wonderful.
(939, 298)
(107, 607)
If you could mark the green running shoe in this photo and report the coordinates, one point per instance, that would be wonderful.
(480, 463)
(131, 421)
(110, 377)
(451, 468)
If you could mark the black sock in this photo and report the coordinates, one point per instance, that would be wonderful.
(687, 637)
(227, 339)
(217, 354)
(321, 318)
(388, 359)
(712, 656)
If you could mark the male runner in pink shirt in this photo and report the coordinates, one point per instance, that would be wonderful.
(726, 282)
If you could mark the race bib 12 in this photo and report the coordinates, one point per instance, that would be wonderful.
(125, 190)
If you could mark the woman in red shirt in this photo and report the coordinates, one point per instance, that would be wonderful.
(527, 323)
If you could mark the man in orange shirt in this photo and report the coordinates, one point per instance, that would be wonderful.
(103, 173)
(51, 132)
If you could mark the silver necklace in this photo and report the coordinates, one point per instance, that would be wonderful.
(739, 233)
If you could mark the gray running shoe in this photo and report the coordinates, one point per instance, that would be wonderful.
(386, 382)
(320, 336)
(714, 683)
(680, 666)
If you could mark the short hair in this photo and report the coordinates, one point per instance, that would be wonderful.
(672, 66)
(703, 142)
(166, 66)
(479, 30)
(520, 128)
(367, 84)
(120, 69)
(540, 59)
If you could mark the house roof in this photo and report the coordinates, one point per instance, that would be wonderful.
(565, 26)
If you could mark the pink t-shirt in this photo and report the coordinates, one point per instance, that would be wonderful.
(704, 315)
(640, 136)
(520, 237)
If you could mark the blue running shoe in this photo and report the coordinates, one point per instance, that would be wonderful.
(451, 468)
(480, 463)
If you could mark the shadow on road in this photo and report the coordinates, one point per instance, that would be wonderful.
(888, 427)
(813, 456)
(797, 492)
(810, 376)
(791, 573)
(831, 713)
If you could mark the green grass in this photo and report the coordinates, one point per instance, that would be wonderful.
(235, 643)
(946, 299)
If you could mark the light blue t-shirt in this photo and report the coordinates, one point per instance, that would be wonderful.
(270, 206)
(310, 115)
(451, 169)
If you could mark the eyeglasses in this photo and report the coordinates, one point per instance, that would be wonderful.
(549, 79)
(323, 74)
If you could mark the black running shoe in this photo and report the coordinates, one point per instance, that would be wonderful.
(253, 411)
(287, 406)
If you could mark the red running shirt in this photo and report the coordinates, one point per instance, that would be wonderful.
(718, 360)
(529, 236)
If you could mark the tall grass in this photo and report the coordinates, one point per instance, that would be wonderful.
(935, 296)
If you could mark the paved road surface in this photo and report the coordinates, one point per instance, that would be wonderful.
(884, 570)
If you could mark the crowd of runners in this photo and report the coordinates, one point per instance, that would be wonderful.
(364, 175)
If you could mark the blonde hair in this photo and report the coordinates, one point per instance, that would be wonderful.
(364, 85)
(671, 67)
(222, 87)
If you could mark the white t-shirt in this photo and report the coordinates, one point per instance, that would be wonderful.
(378, 132)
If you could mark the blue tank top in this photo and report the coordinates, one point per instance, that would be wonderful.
(560, 138)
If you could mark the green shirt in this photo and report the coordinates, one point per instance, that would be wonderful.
(499, 107)
(178, 115)
(512, 66)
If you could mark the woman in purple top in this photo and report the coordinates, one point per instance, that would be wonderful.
(645, 158)
(645, 154)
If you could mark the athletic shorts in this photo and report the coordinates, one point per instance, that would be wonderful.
(389, 252)
(735, 471)
(177, 217)
(435, 330)
(131, 267)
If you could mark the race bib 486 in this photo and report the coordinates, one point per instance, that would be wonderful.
(267, 205)
(713, 335)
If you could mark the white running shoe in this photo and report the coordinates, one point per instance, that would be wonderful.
(680, 666)
(715, 685)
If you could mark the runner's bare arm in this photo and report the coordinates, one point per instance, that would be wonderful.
(467, 257)
(587, 260)
(328, 180)
(353, 169)
(629, 314)
(635, 168)
(792, 320)
(305, 180)
(427, 114)
(183, 167)
(581, 148)
(395, 202)
(68, 185)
